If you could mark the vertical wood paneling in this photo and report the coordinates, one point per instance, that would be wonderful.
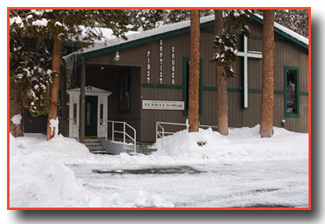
(278, 110)
(251, 115)
(235, 118)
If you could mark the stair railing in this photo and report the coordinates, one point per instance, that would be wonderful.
(162, 126)
(125, 126)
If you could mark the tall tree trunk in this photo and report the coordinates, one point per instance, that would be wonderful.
(222, 99)
(15, 109)
(194, 79)
(53, 110)
(267, 106)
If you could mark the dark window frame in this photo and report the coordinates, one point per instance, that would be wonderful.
(127, 74)
(286, 114)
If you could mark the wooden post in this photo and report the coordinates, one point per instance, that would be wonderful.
(82, 102)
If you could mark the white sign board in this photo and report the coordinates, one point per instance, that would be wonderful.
(162, 105)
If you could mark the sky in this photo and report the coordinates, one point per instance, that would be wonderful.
(318, 17)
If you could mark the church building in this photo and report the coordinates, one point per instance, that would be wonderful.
(144, 80)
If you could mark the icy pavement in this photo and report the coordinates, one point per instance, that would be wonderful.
(246, 184)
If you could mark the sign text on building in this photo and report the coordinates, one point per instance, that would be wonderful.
(162, 105)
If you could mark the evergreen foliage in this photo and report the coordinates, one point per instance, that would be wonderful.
(31, 44)
(296, 20)
(150, 19)
(30, 63)
(227, 40)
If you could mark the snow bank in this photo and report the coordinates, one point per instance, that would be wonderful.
(37, 180)
(242, 144)
(67, 150)
(39, 177)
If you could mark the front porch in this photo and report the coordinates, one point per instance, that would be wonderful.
(105, 92)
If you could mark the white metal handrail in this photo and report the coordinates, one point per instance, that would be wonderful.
(125, 134)
(160, 130)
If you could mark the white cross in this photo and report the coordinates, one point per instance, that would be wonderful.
(247, 54)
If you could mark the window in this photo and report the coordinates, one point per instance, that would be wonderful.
(101, 114)
(291, 91)
(88, 114)
(74, 113)
(125, 98)
(186, 76)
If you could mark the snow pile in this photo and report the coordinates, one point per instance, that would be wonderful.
(16, 119)
(37, 180)
(244, 144)
(39, 177)
(67, 150)
(54, 125)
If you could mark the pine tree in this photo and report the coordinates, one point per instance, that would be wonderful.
(53, 109)
(267, 106)
(29, 68)
(34, 33)
(194, 79)
(222, 99)
(149, 19)
(225, 54)
(145, 19)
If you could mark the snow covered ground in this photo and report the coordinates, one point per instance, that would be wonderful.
(201, 169)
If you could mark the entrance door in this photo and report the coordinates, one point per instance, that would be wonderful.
(91, 112)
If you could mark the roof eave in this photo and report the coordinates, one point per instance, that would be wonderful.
(143, 40)
(282, 33)
(132, 43)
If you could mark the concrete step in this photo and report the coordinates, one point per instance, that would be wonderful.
(91, 140)
(98, 147)
(94, 145)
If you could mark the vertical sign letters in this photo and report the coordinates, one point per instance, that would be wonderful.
(173, 65)
(161, 62)
(148, 66)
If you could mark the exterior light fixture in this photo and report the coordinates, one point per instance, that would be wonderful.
(117, 56)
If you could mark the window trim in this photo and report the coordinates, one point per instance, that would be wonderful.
(286, 68)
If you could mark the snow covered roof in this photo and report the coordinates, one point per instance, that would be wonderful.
(135, 38)
(286, 32)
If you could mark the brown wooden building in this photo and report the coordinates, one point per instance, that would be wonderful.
(148, 81)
